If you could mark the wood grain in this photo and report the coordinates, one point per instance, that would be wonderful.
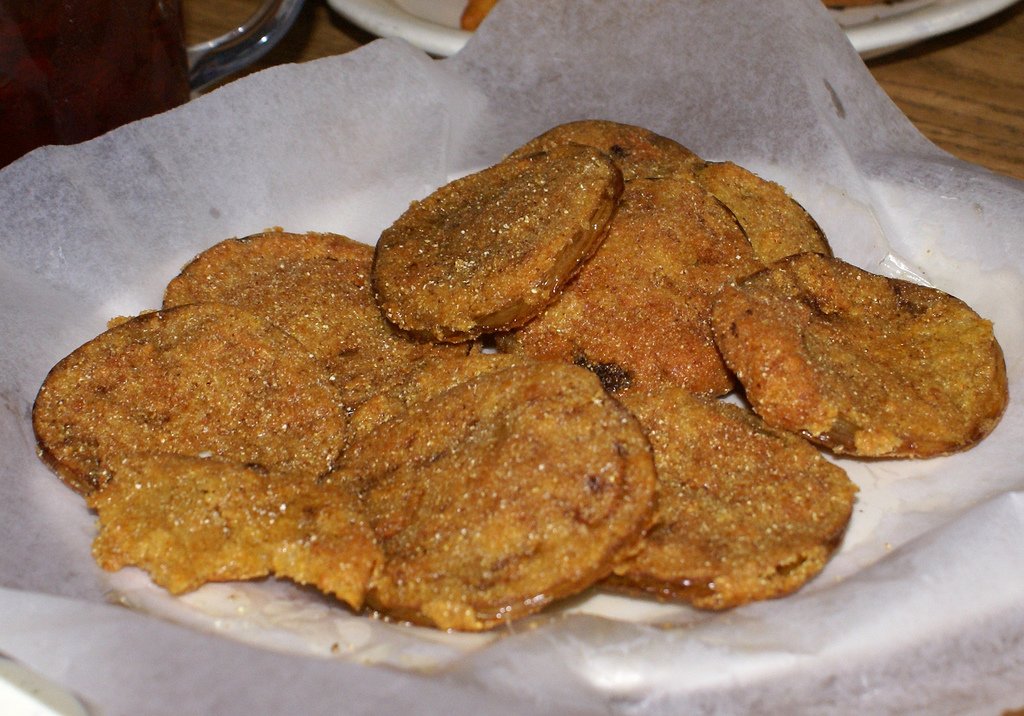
(964, 90)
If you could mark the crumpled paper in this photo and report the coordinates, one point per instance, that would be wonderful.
(920, 610)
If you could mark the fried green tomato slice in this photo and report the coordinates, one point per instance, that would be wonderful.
(427, 380)
(501, 495)
(744, 512)
(188, 521)
(859, 363)
(639, 313)
(639, 152)
(315, 287)
(489, 251)
(197, 379)
(776, 225)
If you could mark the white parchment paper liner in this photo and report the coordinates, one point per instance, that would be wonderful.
(922, 610)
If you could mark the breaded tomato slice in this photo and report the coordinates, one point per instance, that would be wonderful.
(427, 380)
(187, 521)
(639, 313)
(315, 287)
(500, 495)
(198, 379)
(744, 513)
(774, 222)
(489, 251)
(638, 152)
(861, 364)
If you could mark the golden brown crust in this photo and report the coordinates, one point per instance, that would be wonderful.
(638, 152)
(205, 378)
(499, 495)
(862, 364)
(774, 223)
(315, 287)
(426, 381)
(489, 251)
(639, 312)
(188, 521)
(744, 512)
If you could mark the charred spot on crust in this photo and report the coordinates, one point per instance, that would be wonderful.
(786, 568)
(618, 151)
(904, 303)
(811, 302)
(613, 377)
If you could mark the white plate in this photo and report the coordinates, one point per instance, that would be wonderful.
(433, 25)
(876, 30)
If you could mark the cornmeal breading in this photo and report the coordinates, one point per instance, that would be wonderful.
(639, 313)
(204, 378)
(309, 407)
(639, 153)
(499, 495)
(425, 381)
(744, 513)
(316, 287)
(188, 521)
(774, 223)
(861, 364)
(489, 251)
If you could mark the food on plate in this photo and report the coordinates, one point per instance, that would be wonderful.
(861, 364)
(191, 520)
(745, 512)
(639, 313)
(500, 495)
(317, 288)
(204, 378)
(774, 223)
(489, 251)
(475, 12)
(638, 152)
(425, 380)
(309, 407)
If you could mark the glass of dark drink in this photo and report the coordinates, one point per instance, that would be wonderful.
(71, 70)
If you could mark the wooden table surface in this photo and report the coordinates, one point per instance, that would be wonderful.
(963, 90)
